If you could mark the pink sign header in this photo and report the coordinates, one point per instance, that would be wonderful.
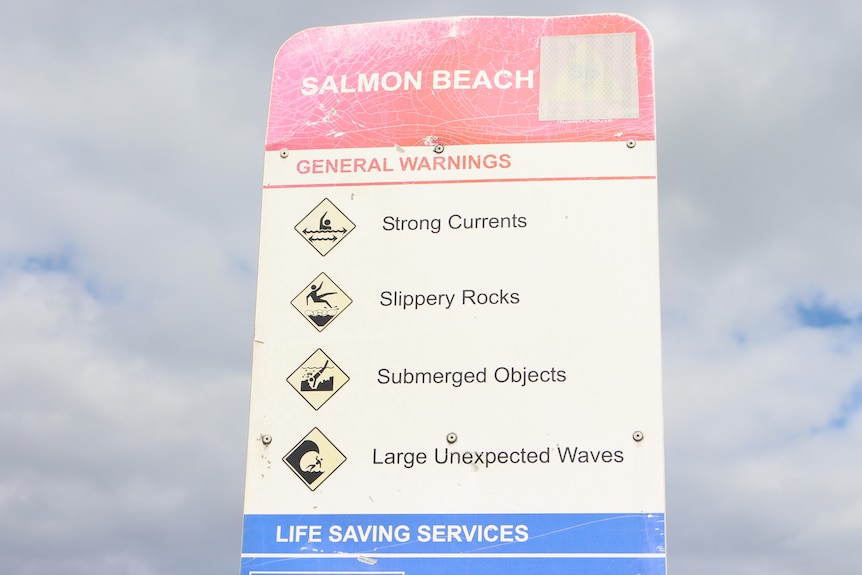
(483, 80)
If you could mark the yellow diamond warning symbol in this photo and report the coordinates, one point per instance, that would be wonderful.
(324, 227)
(314, 459)
(317, 379)
(321, 301)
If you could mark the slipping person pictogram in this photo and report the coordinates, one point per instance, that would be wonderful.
(321, 301)
(318, 297)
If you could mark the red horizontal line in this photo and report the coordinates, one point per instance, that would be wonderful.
(484, 181)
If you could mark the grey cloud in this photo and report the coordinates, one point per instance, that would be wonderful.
(132, 143)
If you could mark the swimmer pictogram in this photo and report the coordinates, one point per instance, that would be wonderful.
(321, 301)
(324, 227)
(317, 379)
(314, 459)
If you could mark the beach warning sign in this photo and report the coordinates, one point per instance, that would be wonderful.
(457, 345)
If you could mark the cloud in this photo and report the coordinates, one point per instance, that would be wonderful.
(132, 138)
(113, 454)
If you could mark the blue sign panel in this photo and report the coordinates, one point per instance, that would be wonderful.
(596, 544)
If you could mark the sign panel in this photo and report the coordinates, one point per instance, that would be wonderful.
(457, 337)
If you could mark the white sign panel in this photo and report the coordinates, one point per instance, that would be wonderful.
(457, 337)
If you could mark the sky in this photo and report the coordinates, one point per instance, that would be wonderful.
(131, 148)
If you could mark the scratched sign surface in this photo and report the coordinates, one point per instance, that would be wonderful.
(457, 340)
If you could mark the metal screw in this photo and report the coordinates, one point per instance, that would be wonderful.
(285, 153)
(266, 439)
(438, 149)
(638, 436)
(631, 144)
(451, 438)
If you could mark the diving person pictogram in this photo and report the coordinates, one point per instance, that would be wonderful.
(317, 379)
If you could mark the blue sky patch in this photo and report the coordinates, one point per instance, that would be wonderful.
(47, 263)
(63, 263)
(823, 316)
(851, 404)
(739, 337)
